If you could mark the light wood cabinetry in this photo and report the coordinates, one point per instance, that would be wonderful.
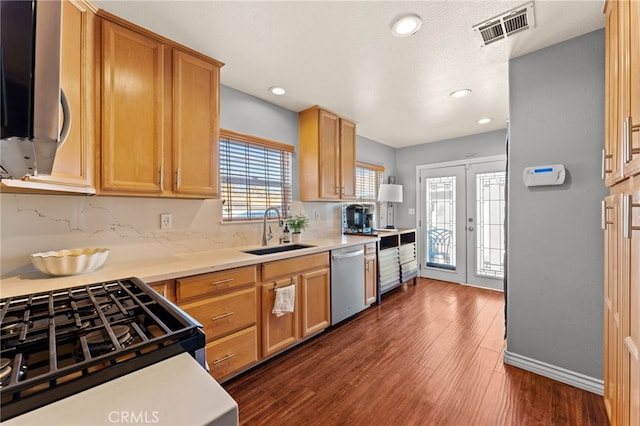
(370, 273)
(630, 306)
(73, 166)
(327, 156)
(621, 157)
(279, 332)
(311, 314)
(621, 213)
(227, 304)
(159, 106)
(315, 301)
(166, 288)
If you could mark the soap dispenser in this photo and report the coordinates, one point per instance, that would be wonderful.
(286, 235)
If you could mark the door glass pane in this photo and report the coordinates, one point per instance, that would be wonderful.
(441, 222)
(490, 189)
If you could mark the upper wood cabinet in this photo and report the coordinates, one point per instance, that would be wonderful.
(327, 156)
(621, 213)
(196, 130)
(621, 156)
(160, 115)
(632, 167)
(73, 166)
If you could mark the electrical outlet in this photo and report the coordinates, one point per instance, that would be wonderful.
(166, 221)
(317, 215)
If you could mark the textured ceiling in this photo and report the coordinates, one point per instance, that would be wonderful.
(342, 56)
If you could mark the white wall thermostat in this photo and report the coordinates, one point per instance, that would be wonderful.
(544, 175)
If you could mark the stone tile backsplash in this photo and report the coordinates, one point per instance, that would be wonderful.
(131, 226)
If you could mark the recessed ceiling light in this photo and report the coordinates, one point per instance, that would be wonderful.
(484, 120)
(406, 25)
(276, 90)
(460, 93)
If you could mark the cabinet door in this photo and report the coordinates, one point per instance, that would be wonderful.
(630, 306)
(633, 119)
(195, 125)
(612, 161)
(348, 159)
(280, 332)
(73, 165)
(329, 155)
(135, 86)
(316, 311)
(370, 266)
(612, 330)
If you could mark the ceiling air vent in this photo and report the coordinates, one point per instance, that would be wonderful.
(506, 24)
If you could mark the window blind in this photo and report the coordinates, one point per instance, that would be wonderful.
(368, 180)
(254, 176)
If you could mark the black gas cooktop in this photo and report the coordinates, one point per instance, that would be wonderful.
(57, 343)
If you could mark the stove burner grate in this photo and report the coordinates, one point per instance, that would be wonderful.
(57, 343)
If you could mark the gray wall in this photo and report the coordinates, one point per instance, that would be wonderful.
(474, 146)
(372, 152)
(555, 245)
(244, 113)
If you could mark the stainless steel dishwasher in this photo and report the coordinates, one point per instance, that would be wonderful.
(347, 282)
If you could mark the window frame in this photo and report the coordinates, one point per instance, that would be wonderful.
(379, 174)
(226, 195)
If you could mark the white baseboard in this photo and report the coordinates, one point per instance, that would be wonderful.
(554, 372)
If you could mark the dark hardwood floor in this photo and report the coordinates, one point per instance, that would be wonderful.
(430, 354)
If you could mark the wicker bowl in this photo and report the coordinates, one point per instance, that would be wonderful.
(70, 262)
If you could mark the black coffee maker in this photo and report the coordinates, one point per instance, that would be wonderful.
(359, 219)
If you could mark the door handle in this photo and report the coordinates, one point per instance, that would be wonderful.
(470, 228)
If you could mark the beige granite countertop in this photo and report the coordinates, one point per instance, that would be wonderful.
(175, 266)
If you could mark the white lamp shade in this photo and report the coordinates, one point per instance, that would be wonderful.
(390, 193)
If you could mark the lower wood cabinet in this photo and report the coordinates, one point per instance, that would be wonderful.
(166, 288)
(226, 313)
(315, 301)
(279, 332)
(235, 308)
(232, 353)
(370, 273)
(311, 314)
(226, 303)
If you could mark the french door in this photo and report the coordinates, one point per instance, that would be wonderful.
(462, 209)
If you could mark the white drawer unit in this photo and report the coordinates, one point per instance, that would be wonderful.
(397, 262)
(389, 274)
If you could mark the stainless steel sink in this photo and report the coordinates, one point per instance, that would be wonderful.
(278, 249)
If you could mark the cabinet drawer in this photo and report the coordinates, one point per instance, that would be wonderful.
(229, 354)
(408, 270)
(226, 313)
(370, 248)
(407, 253)
(215, 282)
(294, 266)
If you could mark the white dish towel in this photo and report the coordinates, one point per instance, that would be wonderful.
(285, 300)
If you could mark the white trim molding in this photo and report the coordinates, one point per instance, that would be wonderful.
(560, 374)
